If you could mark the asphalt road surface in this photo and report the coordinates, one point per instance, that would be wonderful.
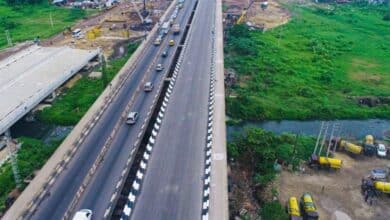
(172, 186)
(98, 193)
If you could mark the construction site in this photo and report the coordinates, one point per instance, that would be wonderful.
(346, 179)
(258, 14)
(125, 22)
(343, 179)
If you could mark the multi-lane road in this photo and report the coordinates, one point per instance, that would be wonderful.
(173, 184)
(98, 193)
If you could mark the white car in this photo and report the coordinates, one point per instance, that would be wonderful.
(159, 67)
(381, 150)
(132, 118)
(83, 214)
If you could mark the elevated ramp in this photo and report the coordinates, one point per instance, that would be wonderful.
(29, 76)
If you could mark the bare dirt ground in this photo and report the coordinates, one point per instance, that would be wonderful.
(273, 16)
(338, 192)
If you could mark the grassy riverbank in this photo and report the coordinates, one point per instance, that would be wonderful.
(318, 66)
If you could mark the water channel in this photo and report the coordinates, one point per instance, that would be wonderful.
(350, 129)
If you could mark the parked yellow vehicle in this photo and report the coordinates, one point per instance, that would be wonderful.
(369, 139)
(382, 186)
(308, 207)
(293, 209)
(330, 162)
(324, 162)
(352, 148)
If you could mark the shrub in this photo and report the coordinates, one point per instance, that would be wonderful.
(273, 211)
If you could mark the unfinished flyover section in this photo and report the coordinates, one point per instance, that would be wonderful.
(31, 75)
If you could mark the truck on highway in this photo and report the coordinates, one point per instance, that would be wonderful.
(157, 42)
(164, 28)
(176, 28)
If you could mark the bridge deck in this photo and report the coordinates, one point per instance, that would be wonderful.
(28, 77)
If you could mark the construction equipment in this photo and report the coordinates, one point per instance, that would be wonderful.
(308, 207)
(244, 12)
(293, 209)
(352, 148)
(373, 188)
(369, 139)
(317, 161)
(383, 187)
(93, 33)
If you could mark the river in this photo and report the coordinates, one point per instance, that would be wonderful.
(39, 130)
(350, 129)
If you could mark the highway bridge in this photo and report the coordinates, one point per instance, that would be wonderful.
(160, 167)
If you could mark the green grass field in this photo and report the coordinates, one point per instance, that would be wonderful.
(313, 67)
(29, 21)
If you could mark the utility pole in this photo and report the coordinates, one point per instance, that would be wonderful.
(331, 138)
(9, 40)
(104, 72)
(51, 20)
(324, 138)
(318, 138)
(12, 154)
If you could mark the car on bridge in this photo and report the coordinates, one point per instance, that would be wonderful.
(159, 67)
(171, 43)
(132, 118)
(148, 86)
(83, 214)
(165, 53)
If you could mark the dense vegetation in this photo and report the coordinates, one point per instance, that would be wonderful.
(70, 107)
(256, 150)
(26, 22)
(317, 66)
(32, 156)
(260, 148)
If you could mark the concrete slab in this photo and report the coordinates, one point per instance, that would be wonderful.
(29, 76)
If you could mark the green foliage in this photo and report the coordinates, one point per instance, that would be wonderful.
(259, 149)
(7, 23)
(386, 17)
(14, 3)
(312, 66)
(32, 156)
(273, 211)
(70, 107)
(74, 14)
(26, 21)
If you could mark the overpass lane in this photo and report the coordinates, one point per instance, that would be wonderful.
(65, 187)
(172, 186)
(99, 192)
